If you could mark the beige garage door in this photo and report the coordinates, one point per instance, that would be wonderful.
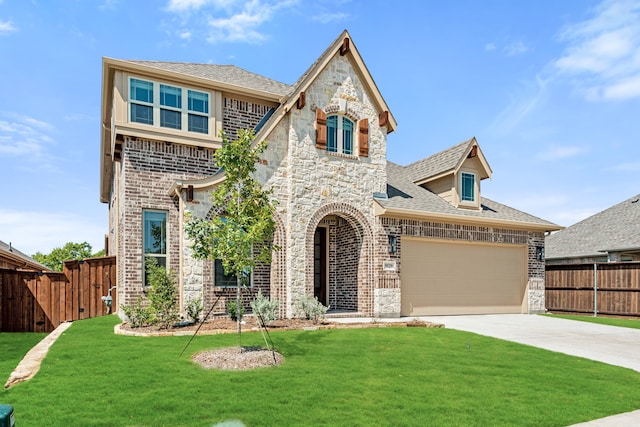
(462, 278)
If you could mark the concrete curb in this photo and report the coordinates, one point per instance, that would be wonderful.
(30, 363)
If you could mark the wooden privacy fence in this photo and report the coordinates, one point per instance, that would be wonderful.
(597, 288)
(39, 302)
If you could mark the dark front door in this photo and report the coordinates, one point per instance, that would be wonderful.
(320, 265)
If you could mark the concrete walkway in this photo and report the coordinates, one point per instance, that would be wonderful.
(607, 344)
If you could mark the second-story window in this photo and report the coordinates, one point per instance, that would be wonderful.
(163, 105)
(141, 95)
(339, 134)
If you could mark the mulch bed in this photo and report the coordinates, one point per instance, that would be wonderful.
(243, 358)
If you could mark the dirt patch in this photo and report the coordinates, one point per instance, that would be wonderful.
(237, 358)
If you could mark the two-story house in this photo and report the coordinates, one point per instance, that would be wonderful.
(366, 236)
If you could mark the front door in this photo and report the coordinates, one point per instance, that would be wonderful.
(320, 265)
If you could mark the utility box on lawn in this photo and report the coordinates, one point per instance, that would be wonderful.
(6, 416)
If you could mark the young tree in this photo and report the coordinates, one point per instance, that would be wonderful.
(241, 233)
(69, 251)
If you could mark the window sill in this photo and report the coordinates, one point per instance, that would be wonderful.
(342, 155)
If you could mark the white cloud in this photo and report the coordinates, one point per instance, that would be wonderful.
(626, 167)
(515, 48)
(26, 138)
(33, 231)
(7, 27)
(225, 20)
(522, 104)
(490, 47)
(325, 18)
(558, 153)
(603, 52)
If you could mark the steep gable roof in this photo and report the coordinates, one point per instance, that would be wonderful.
(614, 229)
(445, 162)
(406, 198)
(310, 75)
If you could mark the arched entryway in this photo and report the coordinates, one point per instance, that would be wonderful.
(338, 261)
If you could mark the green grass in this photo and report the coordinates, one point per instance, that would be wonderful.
(359, 377)
(624, 323)
(13, 347)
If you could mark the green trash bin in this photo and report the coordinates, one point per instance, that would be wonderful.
(6, 416)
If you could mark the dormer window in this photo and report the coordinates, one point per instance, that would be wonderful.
(163, 105)
(468, 187)
(339, 134)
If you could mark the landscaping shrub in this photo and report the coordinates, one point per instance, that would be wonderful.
(310, 308)
(194, 309)
(232, 309)
(163, 294)
(138, 314)
(264, 309)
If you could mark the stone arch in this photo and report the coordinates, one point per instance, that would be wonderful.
(364, 236)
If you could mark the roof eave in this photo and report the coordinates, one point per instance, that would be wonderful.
(412, 213)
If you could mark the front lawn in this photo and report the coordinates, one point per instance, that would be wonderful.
(359, 377)
(611, 321)
(13, 347)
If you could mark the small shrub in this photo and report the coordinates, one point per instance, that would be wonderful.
(310, 308)
(194, 309)
(138, 314)
(163, 294)
(264, 309)
(232, 309)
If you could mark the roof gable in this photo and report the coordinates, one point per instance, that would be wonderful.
(343, 46)
(448, 162)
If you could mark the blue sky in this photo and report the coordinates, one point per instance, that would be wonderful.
(551, 90)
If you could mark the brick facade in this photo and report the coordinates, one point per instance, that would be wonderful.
(144, 175)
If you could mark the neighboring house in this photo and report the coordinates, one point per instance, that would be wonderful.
(608, 236)
(364, 235)
(13, 259)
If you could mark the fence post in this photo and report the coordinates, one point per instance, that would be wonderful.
(595, 290)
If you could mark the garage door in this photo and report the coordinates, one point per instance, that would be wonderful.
(441, 277)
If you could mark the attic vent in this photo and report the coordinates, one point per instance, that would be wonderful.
(344, 49)
(473, 153)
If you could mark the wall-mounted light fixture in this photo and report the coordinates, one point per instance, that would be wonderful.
(393, 244)
(540, 253)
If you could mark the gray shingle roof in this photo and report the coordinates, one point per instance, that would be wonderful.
(404, 194)
(30, 262)
(615, 228)
(438, 163)
(229, 74)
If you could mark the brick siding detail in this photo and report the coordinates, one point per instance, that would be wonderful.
(239, 114)
(146, 172)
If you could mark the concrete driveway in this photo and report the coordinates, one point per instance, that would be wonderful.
(608, 344)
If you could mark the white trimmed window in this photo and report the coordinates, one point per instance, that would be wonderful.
(468, 187)
(163, 105)
(339, 134)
